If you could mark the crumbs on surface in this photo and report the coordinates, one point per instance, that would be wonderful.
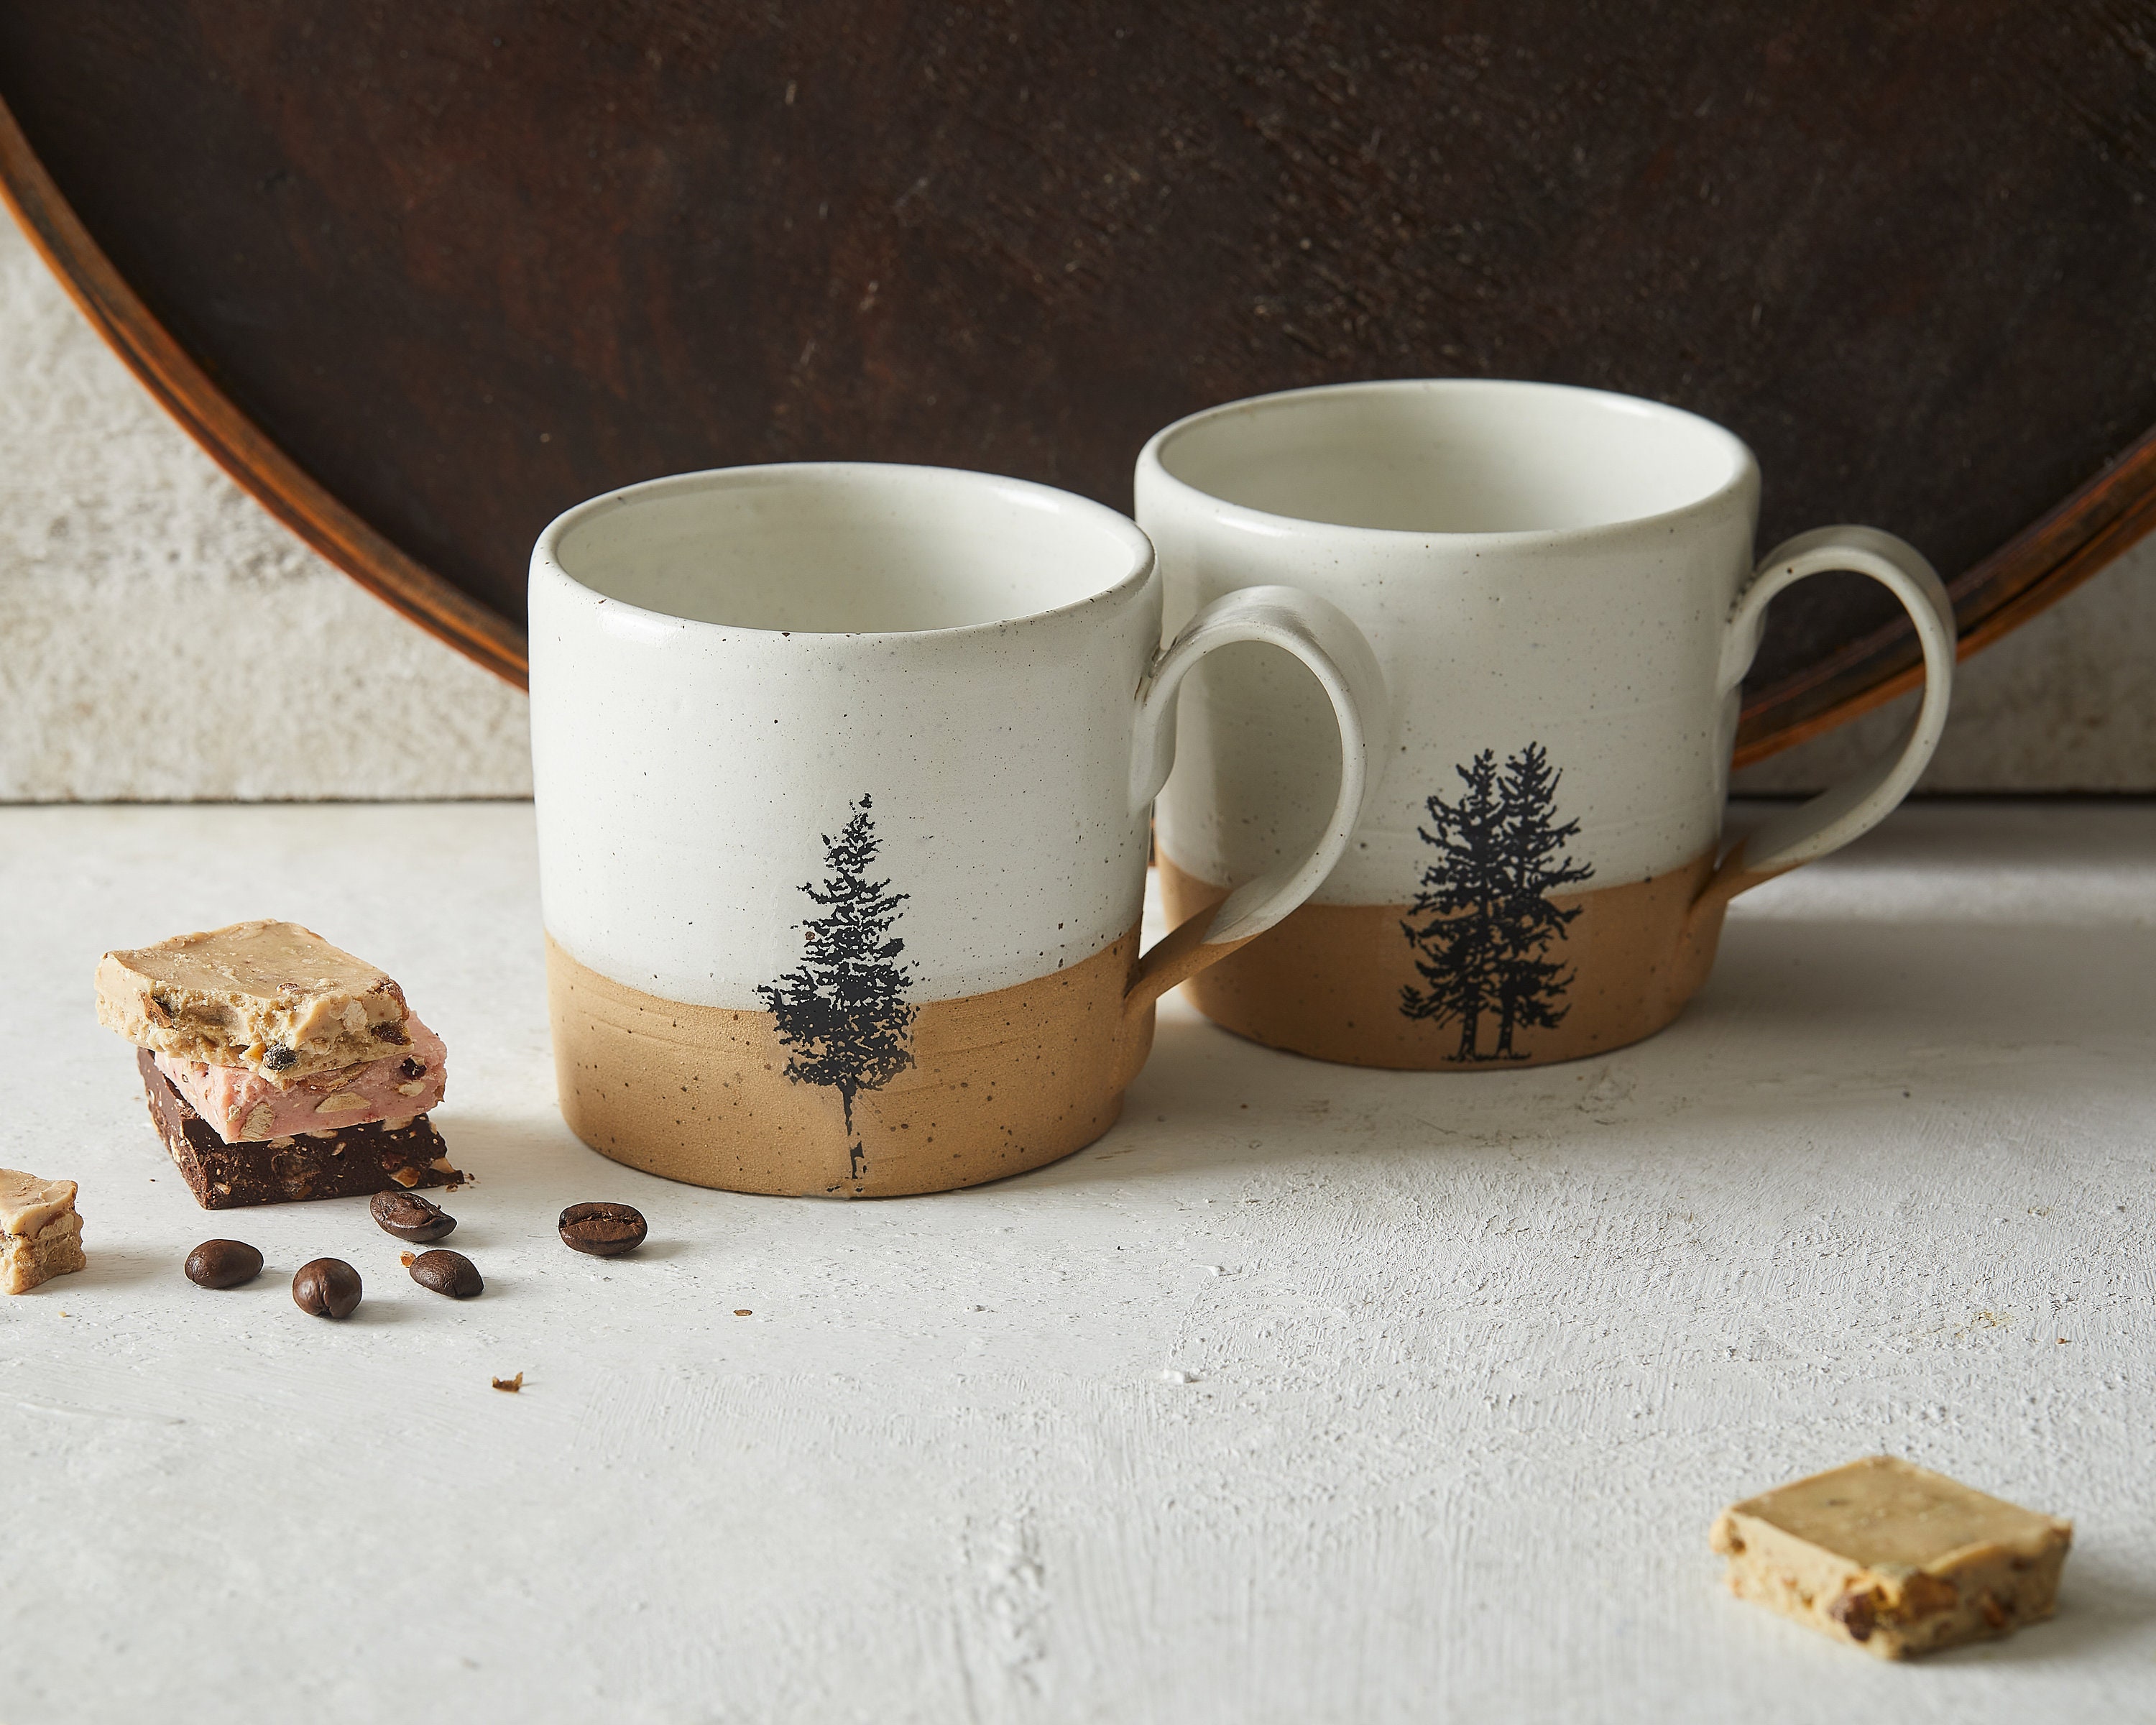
(512, 1384)
(744, 1311)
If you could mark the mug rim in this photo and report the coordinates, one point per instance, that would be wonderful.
(1069, 505)
(1744, 469)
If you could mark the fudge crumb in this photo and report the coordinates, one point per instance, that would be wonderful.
(1893, 1558)
(40, 1232)
(511, 1384)
(744, 1311)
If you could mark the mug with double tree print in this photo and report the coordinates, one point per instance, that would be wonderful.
(844, 773)
(1560, 588)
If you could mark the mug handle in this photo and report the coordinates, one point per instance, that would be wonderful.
(1844, 811)
(1320, 634)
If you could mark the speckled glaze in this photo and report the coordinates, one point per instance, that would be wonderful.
(1533, 564)
(730, 668)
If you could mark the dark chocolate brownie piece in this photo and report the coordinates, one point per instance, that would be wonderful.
(340, 1162)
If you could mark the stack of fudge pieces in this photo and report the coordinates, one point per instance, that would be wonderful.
(277, 1067)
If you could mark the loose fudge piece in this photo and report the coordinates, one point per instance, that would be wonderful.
(1893, 1558)
(245, 1105)
(40, 1234)
(334, 1162)
(272, 997)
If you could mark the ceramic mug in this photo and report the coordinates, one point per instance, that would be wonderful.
(844, 774)
(1560, 588)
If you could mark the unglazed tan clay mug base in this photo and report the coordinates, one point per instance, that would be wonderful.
(844, 775)
(1329, 981)
(1559, 587)
(998, 1083)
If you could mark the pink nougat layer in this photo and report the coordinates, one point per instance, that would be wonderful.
(244, 1107)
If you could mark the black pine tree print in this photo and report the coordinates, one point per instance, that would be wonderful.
(843, 1010)
(1483, 949)
(1530, 985)
(1456, 950)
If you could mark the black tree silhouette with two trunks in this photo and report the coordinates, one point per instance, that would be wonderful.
(843, 1010)
(1488, 921)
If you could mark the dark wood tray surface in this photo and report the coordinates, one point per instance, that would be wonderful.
(424, 274)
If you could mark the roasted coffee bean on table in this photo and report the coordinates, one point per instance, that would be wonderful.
(409, 1216)
(605, 1230)
(448, 1272)
(222, 1263)
(327, 1287)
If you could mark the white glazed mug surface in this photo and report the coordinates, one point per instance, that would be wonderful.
(1560, 588)
(844, 773)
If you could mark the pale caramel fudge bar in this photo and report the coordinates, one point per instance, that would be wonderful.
(1894, 1557)
(40, 1234)
(272, 997)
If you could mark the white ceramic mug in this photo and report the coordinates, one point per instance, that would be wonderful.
(844, 774)
(1560, 588)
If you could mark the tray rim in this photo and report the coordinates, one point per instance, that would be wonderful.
(2032, 570)
(233, 441)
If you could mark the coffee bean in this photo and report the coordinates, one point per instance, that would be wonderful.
(328, 1287)
(605, 1230)
(224, 1263)
(448, 1272)
(409, 1216)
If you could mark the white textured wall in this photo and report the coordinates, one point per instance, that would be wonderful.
(161, 638)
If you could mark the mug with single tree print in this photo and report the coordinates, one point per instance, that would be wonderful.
(1560, 588)
(844, 774)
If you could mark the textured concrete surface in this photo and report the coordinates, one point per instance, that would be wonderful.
(161, 638)
(1309, 1393)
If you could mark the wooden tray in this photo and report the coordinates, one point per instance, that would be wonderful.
(422, 274)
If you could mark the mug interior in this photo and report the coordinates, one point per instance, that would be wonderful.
(847, 548)
(1454, 456)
